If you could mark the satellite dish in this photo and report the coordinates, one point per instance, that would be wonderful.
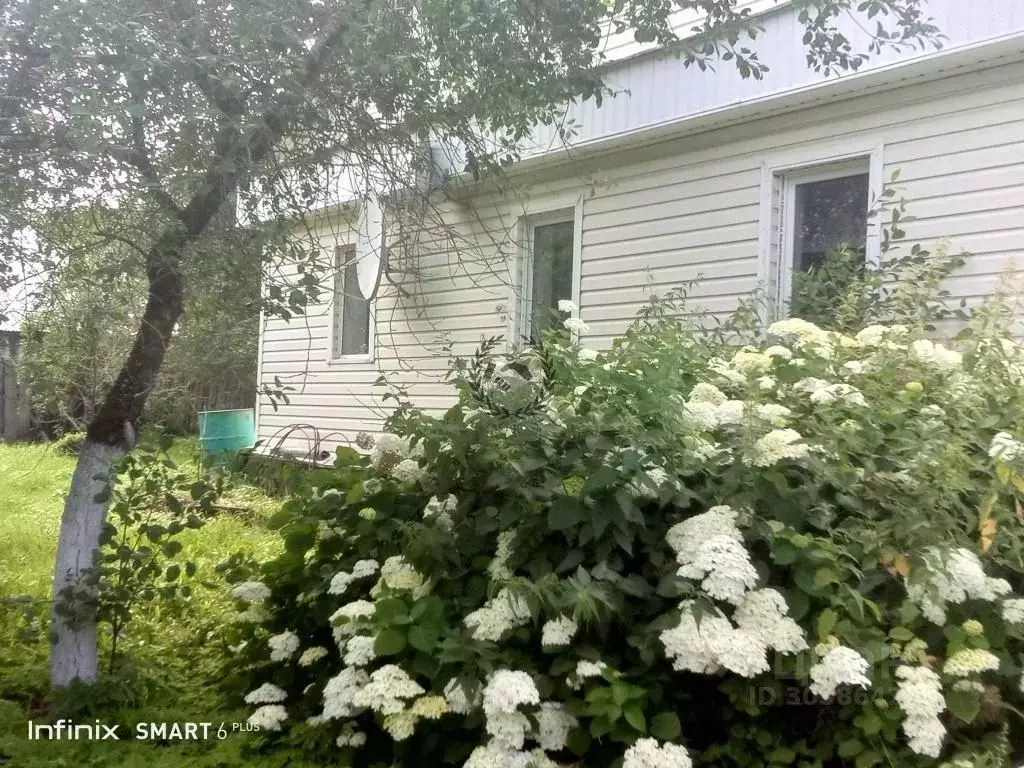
(370, 247)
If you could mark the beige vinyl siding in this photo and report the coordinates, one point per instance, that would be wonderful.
(665, 214)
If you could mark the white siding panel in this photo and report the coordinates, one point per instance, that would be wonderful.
(664, 215)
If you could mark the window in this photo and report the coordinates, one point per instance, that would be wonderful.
(548, 273)
(820, 210)
(351, 330)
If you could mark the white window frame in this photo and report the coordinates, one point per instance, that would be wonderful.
(337, 313)
(779, 178)
(555, 211)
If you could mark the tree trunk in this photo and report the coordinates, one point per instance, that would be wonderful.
(111, 433)
(75, 653)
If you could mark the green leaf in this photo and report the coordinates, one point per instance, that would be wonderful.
(965, 705)
(851, 748)
(173, 572)
(390, 610)
(578, 741)
(563, 514)
(827, 620)
(390, 642)
(430, 607)
(634, 715)
(424, 638)
(666, 726)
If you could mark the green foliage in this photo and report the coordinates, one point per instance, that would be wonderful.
(553, 490)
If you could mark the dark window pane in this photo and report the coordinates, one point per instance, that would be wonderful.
(352, 311)
(552, 271)
(826, 214)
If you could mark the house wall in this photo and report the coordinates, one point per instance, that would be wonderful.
(655, 217)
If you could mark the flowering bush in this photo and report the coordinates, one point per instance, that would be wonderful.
(799, 549)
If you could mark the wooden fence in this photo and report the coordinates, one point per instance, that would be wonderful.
(15, 411)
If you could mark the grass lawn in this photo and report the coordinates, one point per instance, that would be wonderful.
(176, 650)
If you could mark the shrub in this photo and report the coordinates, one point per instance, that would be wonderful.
(797, 551)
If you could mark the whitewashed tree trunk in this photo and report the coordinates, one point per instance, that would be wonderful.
(74, 653)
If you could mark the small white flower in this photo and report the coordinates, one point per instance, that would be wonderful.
(364, 568)
(558, 632)
(386, 691)
(838, 666)
(575, 325)
(498, 616)
(507, 690)
(564, 305)
(767, 383)
(268, 717)
(340, 582)
(970, 661)
(777, 445)
(1005, 447)
(773, 413)
(251, 590)
(1013, 611)
(310, 656)
(266, 694)
(283, 646)
(408, 472)
(919, 695)
(730, 412)
(340, 692)
(703, 392)
(780, 352)
(648, 753)
(553, 726)
(765, 614)
(723, 564)
(359, 651)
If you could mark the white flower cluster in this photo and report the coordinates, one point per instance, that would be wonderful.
(268, 693)
(268, 717)
(1013, 611)
(839, 665)
(506, 691)
(311, 656)
(341, 580)
(936, 355)
(251, 590)
(585, 669)
(970, 661)
(340, 692)
(359, 651)
(398, 574)
(350, 737)
(498, 616)
(919, 695)
(283, 646)
(569, 307)
(553, 726)
(353, 612)
(777, 445)
(709, 547)
(440, 510)
(498, 568)
(773, 413)
(575, 325)
(801, 333)
(750, 361)
(762, 624)
(558, 633)
(648, 753)
(408, 472)
(386, 692)
(952, 577)
(1004, 446)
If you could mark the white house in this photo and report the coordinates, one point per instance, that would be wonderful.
(685, 174)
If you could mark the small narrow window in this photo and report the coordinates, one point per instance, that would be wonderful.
(351, 332)
(824, 228)
(549, 271)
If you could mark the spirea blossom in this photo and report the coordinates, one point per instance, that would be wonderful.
(1005, 447)
(388, 450)
(776, 350)
(508, 729)
(919, 695)
(723, 564)
(408, 472)
(494, 755)
(400, 725)
(389, 686)
(777, 445)
(553, 726)
(507, 690)
(268, 693)
(364, 568)
(498, 616)
(397, 573)
(838, 666)
(765, 614)
(339, 583)
(801, 332)
(703, 392)
(1013, 611)
(730, 412)
(283, 646)
(558, 632)
(564, 305)
(575, 325)
(359, 651)
(440, 509)
(773, 413)
(458, 702)
(750, 361)
(268, 717)
(701, 415)
(430, 707)
(951, 577)
(340, 692)
(351, 738)
(648, 753)
(970, 661)
(498, 568)
(250, 590)
(686, 538)
(311, 656)
(936, 355)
